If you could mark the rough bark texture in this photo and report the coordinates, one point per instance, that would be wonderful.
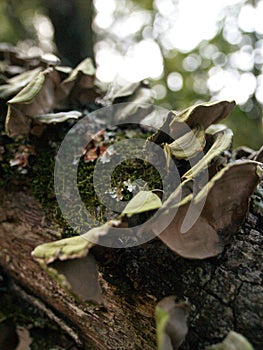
(225, 292)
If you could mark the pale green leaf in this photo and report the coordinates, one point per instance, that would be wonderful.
(57, 117)
(171, 327)
(67, 248)
(30, 91)
(143, 201)
(222, 141)
(15, 84)
(186, 146)
(161, 319)
(233, 341)
(86, 67)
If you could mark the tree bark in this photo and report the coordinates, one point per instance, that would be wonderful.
(225, 293)
(72, 22)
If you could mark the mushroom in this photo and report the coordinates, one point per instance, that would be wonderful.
(225, 202)
(171, 324)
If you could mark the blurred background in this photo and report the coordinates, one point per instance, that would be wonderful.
(190, 51)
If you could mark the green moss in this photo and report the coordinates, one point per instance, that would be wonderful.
(40, 177)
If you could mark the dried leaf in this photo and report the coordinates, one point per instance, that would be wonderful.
(21, 158)
(233, 341)
(171, 324)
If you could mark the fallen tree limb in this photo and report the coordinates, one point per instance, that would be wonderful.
(225, 293)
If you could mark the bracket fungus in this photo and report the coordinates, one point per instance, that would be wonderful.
(224, 204)
(211, 202)
(196, 219)
(233, 341)
(37, 94)
(171, 327)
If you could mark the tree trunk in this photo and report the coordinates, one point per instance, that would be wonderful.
(72, 22)
(225, 293)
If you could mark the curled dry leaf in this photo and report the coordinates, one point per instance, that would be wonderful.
(171, 324)
(233, 341)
